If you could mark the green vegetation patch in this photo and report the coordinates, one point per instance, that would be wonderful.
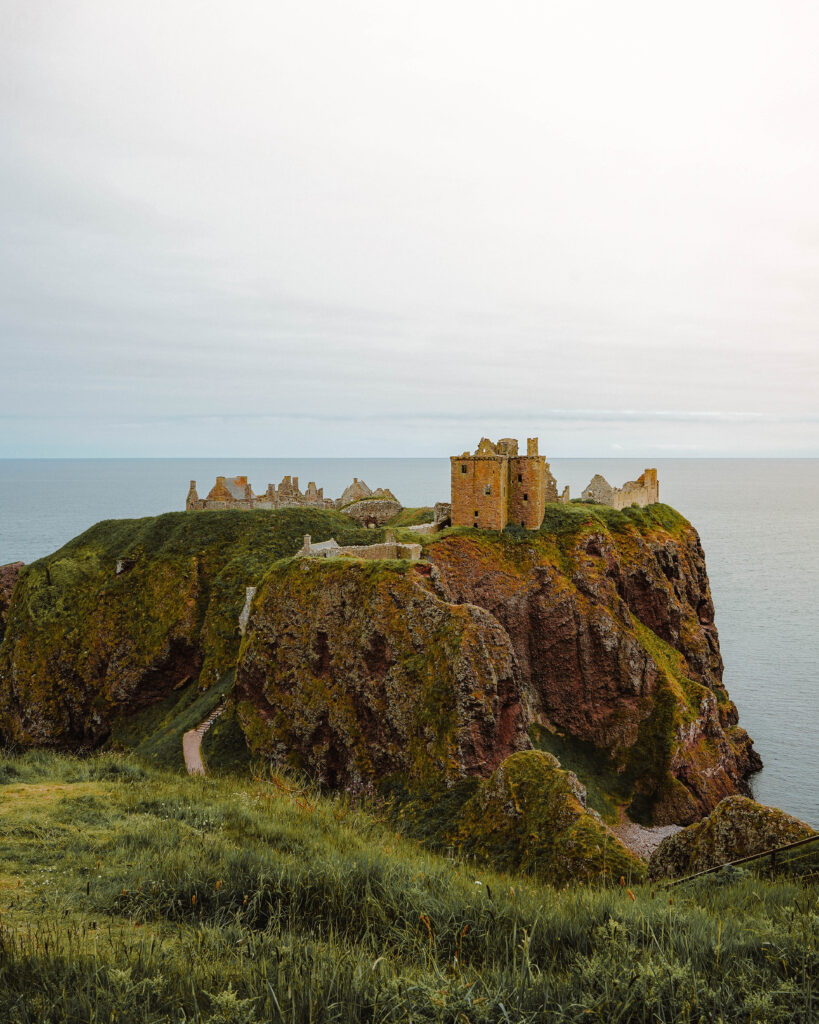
(606, 788)
(412, 517)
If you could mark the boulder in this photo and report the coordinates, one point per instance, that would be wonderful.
(529, 816)
(737, 827)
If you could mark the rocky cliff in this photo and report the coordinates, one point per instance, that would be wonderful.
(595, 634)
(130, 610)
(354, 670)
(9, 575)
(592, 638)
(612, 623)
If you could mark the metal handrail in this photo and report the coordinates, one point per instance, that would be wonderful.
(772, 853)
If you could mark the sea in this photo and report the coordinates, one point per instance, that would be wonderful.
(758, 521)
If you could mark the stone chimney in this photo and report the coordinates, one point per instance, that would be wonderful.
(531, 446)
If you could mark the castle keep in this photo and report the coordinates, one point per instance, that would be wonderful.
(495, 486)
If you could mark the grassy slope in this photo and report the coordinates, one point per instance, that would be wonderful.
(413, 517)
(132, 894)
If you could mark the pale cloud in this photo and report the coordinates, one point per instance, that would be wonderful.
(330, 229)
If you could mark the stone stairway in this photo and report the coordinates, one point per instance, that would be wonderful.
(192, 743)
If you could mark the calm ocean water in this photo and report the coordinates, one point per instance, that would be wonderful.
(758, 520)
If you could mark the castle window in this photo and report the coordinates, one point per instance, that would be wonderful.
(520, 478)
(463, 468)
(525, 497)
(487, 489)
(476, 513)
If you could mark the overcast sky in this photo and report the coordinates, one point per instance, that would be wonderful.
(376, 228)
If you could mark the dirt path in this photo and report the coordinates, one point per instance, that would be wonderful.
(192, 743)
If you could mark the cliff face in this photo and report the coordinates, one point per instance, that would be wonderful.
(592, 638)
(611, 620)
(595, 634)
(132, 609)
(9, 575)
(357, 670)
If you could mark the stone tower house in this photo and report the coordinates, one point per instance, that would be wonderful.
(495, 486)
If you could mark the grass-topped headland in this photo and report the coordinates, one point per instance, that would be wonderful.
(134, 894)
(124, 614)
(597, 628)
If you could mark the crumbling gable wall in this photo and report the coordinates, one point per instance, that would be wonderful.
(236, 493)
(645, 490)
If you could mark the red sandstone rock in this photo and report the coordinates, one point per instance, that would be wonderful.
(579, 622)
(8, 577)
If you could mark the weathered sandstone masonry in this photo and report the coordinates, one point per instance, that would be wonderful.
(332, 549)
(235, 492)
(645, 490)
(495, 486)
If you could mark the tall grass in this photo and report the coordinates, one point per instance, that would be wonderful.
(145, 896)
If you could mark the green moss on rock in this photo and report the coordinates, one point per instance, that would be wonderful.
(737, 827)
(354, 670)
(413, 517)
(528, 817)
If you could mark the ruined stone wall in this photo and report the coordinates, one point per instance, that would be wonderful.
(645, 490)
(373, 511)
(287, 495)
(443, 513)
(479, 491)
(389, 548)
(377, 551)
(599, 490)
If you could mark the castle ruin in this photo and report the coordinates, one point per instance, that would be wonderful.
(645, 490)
(389, 548)
(495, 486)
(234, 492)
